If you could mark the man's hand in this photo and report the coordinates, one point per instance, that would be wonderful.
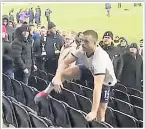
(91, 116)
(26, 71)
(35, 67)
(57, 84)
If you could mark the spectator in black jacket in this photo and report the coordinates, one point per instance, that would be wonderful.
(132, 72)
(7, 59)
(123, 45)
(108, 45)
(22, 54)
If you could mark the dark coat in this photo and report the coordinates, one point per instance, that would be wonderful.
(37, 18)
(132, 72)
(7, 59)
(22, 52)
(115, 57)
(11, 34)
(31, 15)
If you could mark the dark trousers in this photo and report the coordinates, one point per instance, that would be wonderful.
(21, 76)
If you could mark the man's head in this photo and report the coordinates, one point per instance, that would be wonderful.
(25, 30)
(133, 48)
(52, 28)
(123, 42)
(43, 31)
(108, 38)
(10, 24)
(89, 40)
(68, 38)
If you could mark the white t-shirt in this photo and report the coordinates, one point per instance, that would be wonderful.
(99, 64)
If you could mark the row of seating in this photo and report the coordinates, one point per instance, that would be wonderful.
(19, 115)
(61, 114)
(67, 93)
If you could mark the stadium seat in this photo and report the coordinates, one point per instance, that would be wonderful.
(110, 117)
(122, 106)
(121, 95)
(29, 96)
(18, 91)
(140, 123)
(74, 87)
(48, 121)
(84, 103)
(120, 87)
(137, 101)
(41, 84)
(132, 91)
(41, 74)
(45, 109)
(77, 118)
(22, 116)
(66, 96)
(8, 112)
(125, 120)
(50, 77)
(8, 88)
(37, 122)
(32, 81)
(138, 112)
(97, 124)
(61, 116)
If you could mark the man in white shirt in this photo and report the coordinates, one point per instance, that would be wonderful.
(97, 61)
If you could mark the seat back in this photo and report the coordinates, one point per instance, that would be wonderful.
(120, 87)
(77, 118)
(132, 91)
(121, 95)
(137, 101)
(41, 84)
(22, 116)
(138, 112)
(18, 91)
(60, 113)
(125, 120)
(7, 86)
(123, 106)
(110, 117)
(37, 122)
(8, 112)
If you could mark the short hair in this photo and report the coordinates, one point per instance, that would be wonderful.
(43, 27)
(92, 33)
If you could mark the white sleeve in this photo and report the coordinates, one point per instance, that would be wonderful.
(100, 66)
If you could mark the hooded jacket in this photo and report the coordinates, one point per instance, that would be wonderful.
(22, 51)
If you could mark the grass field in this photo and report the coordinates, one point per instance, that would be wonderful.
(79, 17)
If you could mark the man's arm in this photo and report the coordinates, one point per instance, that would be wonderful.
(64, 64)
(98, 83)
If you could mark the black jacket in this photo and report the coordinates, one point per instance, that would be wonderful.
(22, 51)
(115, 57)
(132, 72)
(7, 59)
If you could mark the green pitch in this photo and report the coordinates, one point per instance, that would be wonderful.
(80, 17)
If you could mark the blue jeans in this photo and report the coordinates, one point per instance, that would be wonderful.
(10, 73)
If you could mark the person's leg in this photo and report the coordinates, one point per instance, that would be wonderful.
(105, 95)
(10, 73)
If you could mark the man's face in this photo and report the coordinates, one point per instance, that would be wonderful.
(43, 32)
(5, 22)
(107, 40)
(10, 24)
(53, 30)
(133, 50)
(25, 34)
(68, 39)
(88, 42)
(123, 43)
